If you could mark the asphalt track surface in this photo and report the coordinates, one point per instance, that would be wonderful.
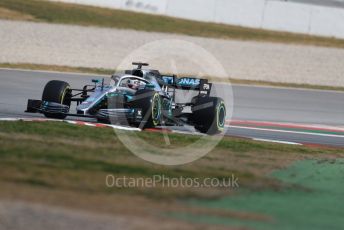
(252, 103)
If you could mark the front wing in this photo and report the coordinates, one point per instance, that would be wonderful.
(105, 115)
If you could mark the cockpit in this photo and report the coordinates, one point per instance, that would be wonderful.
(136, 79)
(134, 83)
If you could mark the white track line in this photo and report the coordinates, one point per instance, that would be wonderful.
(175, 131)
(288, 131)
(73, 123)
(287, 88)
(276, 141)
(9, 119)
(124, 128)
(188, 133)
(104, 125)
(219, 82)
(319, 127)
(56, 72)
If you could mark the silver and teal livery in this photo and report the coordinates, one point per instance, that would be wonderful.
(139, 97)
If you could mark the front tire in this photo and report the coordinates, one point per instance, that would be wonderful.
(58, 92)
(149, 102)
(209, 115)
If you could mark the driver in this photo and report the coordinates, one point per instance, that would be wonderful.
(133, 84)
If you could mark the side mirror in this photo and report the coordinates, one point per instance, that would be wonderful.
(95, 81)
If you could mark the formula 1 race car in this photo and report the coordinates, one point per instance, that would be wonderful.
(140, 97)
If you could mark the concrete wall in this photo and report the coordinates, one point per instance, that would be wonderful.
(202, 10)
(146, 6)
(283, 16)
(327, 22)
(240, 12)
(267, 14)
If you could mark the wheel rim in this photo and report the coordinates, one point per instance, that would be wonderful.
(63, 96)
(156, 111)
(221, 115)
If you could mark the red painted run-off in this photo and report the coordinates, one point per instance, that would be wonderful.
(234, 123)
(241, 123)
(158, 130)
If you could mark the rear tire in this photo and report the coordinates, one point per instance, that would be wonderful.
(58, 92)
(209, 115)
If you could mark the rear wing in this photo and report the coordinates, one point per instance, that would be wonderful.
(186, 83)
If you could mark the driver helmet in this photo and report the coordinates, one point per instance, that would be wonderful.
(133, 84)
